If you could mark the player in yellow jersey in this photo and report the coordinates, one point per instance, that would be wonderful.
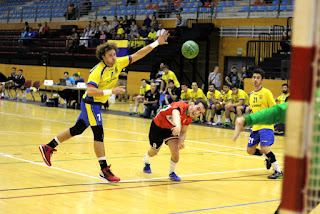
(140, 98)
(285, 94)
(101, 85)
(197, 93)
(185, 93)
(238, 103)
(213, 101)
(262, 98)
(225, 98)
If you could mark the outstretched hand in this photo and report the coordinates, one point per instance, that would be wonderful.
(163, 38)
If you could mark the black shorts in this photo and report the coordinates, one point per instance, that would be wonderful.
(157, 135)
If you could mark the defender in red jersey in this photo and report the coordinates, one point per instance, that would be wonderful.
(170, 125)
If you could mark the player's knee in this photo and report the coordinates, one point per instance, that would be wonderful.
(97, 133)
(153, 152)
(78, 128)
(251, 150)
(265, 149)
(175, 157)
(213, 107)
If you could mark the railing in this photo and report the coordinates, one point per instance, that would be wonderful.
(192, 9)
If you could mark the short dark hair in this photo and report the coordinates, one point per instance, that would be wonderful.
(183, 84)
(103, 48)
(165, 66)
(76, 75)
(213, 85)
(204, 103)
(104, 17)
(226, 84)
(144, 80)
(234, 86)
(14, 68)
(66, 72)
(259, 71)
(170, 81)
(21, 70)
(285, 84)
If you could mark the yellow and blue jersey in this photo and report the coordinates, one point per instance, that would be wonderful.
(171, 76)
(144, 90)
(226, 96)
(104, 77)
(214, 96)
(186, 95)
(282, 98)
(260, 100)
(241, 95)
(199, 94)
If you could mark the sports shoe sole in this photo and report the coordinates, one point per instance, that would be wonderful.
(104, 179)
(43, 156)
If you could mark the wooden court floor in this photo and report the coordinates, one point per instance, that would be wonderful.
(217, 174)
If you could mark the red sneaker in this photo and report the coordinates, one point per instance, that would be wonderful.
(46, 152)
(106, 174)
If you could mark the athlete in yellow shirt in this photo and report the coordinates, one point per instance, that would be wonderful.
(285, 94)
(197, 93)
(102, 80)
(213, 101)
(168, 75)
(262, 98)
(140, 98)
(239, 103)
(185, 93)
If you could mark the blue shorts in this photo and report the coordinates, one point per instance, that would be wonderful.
(263, 136)
(244, 108)
(90, 114)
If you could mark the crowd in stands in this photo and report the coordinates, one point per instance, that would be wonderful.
(155, 95)
(14, 81)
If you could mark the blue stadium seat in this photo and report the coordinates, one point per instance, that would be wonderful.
(223, 4)
(131, 12)
(273, 8)
(283, 7)
(231, 4)
(130, 7)
(254, 8)
(124, 7)
(285, 2)
(123, 3)
(200, 4)
(112, 12)
(193, 10)
(192, 5)
(142, 6)
(184, 5)
(291, 8)
(275, 2)
(100, 13)
(203, 10)
(263, 8)
(112, 7)
(244, 9)
(220, 9)
(186, 10)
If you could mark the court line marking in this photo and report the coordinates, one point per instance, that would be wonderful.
(119, 130)
(236, 205)
(121, 188)
(134, 180)
(213, 151)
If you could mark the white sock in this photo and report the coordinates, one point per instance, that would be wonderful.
(227, 120)
(56, 139)
(147, 158)
(219, 118)
(172, 166)
(102, 158)
(135, 109)
(276, 166)
(2, 94)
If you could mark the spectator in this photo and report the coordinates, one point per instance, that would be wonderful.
(94, 37)
(242, 76)
(140, 42)
(160, 31)
(45, 30)
(143, 31)
(140, 98)
(19, 83)
(154, 23)
(152, 34)
(120, 32)
(151, 101)
(77, 78)
(115, 23)
(133, 29)
(125, 24)
(39, 34)
(67, 94)
(103, 37)
(131, 20)
(197, 93)
(147, 21)
(233, 77)
(72, 42)
(173, 93)
(26, 26)
(69, 80)
(31, 33)
(99, 26)
(86, 7)
(215, 78)
(123, 77)
(24, 35)
(181, 25)
(105, 21)
(71, 12)
(285, 44)
(185, 93)
(89, 26)
(83, 43)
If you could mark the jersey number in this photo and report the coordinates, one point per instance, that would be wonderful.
(250, 141)
(255, 99)
(99, 117)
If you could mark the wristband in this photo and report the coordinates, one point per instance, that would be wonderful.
(154, 44)
(107, 92)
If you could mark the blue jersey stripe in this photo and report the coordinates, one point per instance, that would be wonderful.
(103, 70)
(93, 83)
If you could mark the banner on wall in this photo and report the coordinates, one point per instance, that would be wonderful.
(122, 47)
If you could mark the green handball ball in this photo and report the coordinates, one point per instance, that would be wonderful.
(190, 49)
